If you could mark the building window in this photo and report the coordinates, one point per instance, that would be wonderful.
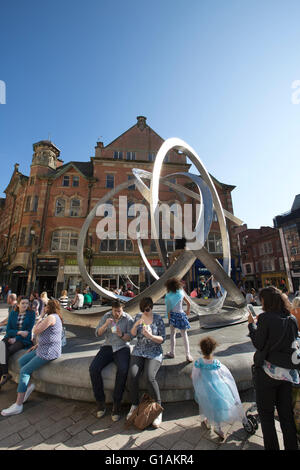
(153, 248)
(268, 265)
(23, 236)
(170, 245)
(151, 157)
(66, 180)
(13, 244)
(31, 181)
(132, 186)
(75, 208)
(281, 264)
(254, 251)
(214, 243)
(64, 241)
(110, 181)
(60, 207)
(118, 155)
(257, 266)
(130, 155)
(129, 204)
(75, 181)
(35, 203)
(27, 204)
(171, 180)
(248, 268)
(116, 245)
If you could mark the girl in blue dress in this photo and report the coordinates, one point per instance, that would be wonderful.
(215, 390)
(177, 317)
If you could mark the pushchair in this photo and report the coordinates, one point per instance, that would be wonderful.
(251, 425)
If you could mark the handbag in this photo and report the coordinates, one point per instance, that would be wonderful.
(144, 415)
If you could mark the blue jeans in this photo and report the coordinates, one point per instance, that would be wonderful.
(28, 364)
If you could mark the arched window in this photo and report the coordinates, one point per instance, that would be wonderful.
(60, 207)
(75, 207)
(63, 240)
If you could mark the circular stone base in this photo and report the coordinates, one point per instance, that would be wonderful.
(68, 376)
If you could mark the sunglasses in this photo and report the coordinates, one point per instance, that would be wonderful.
(148, 309)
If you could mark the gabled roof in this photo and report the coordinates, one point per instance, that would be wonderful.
(16, 178)
(84, 168)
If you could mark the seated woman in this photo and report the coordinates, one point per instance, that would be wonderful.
(88, 299)
(64, 299)
(18, 335)
(49, 332)
(78, 300)
(150, 331)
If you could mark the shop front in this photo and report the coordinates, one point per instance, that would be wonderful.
(108, 273)
(274, 279)
(18, 283)
(46, 275)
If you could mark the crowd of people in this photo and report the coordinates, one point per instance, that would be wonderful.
(35, 325)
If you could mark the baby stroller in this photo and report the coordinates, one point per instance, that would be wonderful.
(252, 418)
(251, 425)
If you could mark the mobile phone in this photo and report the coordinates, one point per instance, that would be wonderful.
(251, 309)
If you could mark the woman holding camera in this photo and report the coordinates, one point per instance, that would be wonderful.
(273, 335)
(150, 331)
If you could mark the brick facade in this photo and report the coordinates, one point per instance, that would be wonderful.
(42, 215)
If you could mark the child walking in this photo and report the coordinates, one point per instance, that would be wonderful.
(215, 390)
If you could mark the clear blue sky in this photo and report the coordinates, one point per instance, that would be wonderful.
(215, 73)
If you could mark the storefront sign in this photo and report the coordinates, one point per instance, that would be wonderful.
(155, 262)
(106, 262)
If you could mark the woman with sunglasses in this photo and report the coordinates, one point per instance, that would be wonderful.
(150, 331)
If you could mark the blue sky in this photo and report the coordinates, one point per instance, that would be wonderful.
(216, 73)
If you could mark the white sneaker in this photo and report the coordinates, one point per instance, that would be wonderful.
(12, 410)
(133, 407)
(29, 390)
(157, 422)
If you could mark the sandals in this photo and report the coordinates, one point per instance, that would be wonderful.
(170, 355)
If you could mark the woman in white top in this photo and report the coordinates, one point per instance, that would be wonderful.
(78, 300)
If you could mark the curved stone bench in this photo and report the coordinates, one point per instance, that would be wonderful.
(69, 377)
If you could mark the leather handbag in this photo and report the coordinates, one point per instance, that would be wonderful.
(144, 415)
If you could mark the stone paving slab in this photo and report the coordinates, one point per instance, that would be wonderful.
(51, 423)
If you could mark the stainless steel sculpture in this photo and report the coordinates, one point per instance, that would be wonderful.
(209, 199)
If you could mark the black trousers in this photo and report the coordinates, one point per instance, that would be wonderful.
(271, 393)
(104, 357)
(10, 349)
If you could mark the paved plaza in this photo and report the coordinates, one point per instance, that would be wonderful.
(49, 422)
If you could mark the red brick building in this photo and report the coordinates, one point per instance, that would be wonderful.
(42, 214)
(261, 257)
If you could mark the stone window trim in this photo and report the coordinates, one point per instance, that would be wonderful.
(114, 245)
(65, 237)
(31, 203)
(68, 202)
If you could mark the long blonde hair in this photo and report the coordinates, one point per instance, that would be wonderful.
(44, 297)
